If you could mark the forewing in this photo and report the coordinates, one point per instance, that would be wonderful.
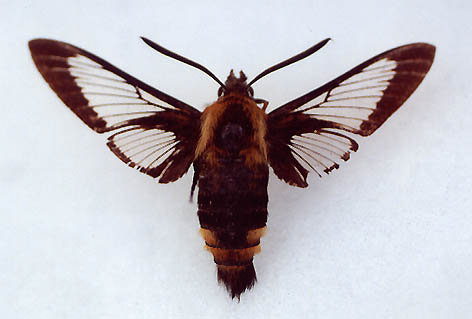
(158, 132)
(308, 129)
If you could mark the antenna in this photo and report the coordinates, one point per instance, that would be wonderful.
(293, 59)
(180, 58)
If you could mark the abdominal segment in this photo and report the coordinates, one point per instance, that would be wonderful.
(232, 209)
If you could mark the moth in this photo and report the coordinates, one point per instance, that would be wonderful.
(232, 143)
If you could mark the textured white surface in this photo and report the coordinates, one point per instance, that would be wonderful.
(388, 235)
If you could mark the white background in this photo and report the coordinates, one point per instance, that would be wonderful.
(388, 235)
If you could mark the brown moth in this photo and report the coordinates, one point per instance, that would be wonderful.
(232, 143)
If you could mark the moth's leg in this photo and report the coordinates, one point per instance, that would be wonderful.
(196, 175)
(259, 101)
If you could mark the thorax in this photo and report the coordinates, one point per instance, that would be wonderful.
(233, 129)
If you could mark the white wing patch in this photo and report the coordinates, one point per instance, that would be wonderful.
(356, 98)
(110, 96)
(142, 148)
(321, 151)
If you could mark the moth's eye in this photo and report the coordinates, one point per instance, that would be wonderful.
(220, 91)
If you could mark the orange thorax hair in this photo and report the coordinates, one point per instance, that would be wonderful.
(255, 152)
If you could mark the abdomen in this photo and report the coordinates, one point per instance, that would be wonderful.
(232, 209)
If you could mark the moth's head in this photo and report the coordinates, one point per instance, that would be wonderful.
(236, 85)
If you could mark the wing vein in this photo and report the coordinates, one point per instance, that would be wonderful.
(321, 147)
(127, 113)
(304, 160)
(118, 104)
(369, 79)
(327, 137)
(361, 89)
(157, 150)
(354, 98)
(151, 147)
(81, 82)
(147, 142)
(302, 147)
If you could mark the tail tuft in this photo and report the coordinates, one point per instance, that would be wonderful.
(237, 279)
